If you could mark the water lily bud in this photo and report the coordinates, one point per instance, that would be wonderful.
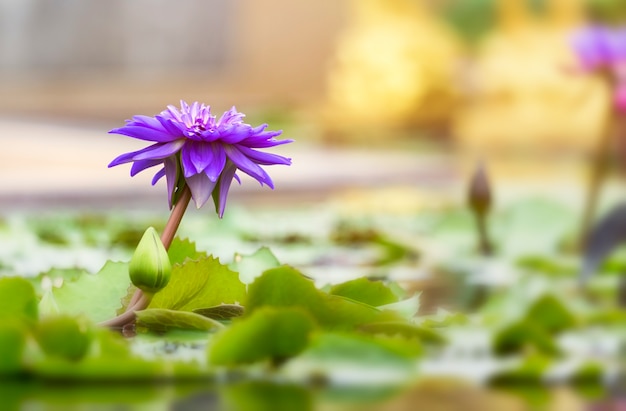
(479, 197)
(150, 268)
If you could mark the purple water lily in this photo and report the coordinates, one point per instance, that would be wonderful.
(603, 49)
(599, 47)
(196, 150)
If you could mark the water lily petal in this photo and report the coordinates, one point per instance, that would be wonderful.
(139, 166)
(201, 188)
(157, 151)
(144, 133)
(223, 187)
(215, 167)
(247, 166)
(159, 175)
(260, 157)
(171, 174)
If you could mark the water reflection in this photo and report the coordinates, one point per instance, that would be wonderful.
(431, 394)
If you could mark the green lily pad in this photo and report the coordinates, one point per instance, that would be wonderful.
(530, 372)
(97, 296)
(404, 329)
(549, 313)
(221, 312)
(183, 249)
(519, 336)
(200, 284)
(64, 337)
(374, 293)
(12, 345)
(251, 266)
(18, 299)
(287, 287)
(269, 333)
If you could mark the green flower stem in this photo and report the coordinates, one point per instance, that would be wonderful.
(484, 244)
(598, 172)
(175, 218)
(140, 300)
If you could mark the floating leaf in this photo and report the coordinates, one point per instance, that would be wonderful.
(200, 284)
(125, 301)
(12, 345)
(531, 371)
(522, 335)
(221, 312)
(267, 334)
(549, 313)
(163, 319)
(286, 287)
(56, 277)
(588, 373)
(443, 319)
(614, 316)
(549, 265)
(251, 266)
(181, 250)
(97, 296)
(404, 329)
(64, 337)
(406, 308)
(374, 293)
(18, 299)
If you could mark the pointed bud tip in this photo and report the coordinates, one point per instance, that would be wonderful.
(150, 268)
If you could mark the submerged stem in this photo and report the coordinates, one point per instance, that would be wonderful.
(140, 300)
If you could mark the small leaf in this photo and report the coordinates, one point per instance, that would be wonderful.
(549, 313)
(200, 284)
(55, 277)
(95, 295)
(181, 250)
(125, 301)
(406, 308)
(12, 346)
(64, 336)
(404, 329)
(523, 335)
(163, 319)
(374, 293)
(268, 334)
(18, 299)
(286, 287)
(531, 371)
(615, 316)
(221, 312)
(251, 266)
(588, 373)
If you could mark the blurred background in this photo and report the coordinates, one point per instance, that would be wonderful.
(469, 78)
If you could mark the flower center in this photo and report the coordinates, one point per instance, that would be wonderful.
(197, 128)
